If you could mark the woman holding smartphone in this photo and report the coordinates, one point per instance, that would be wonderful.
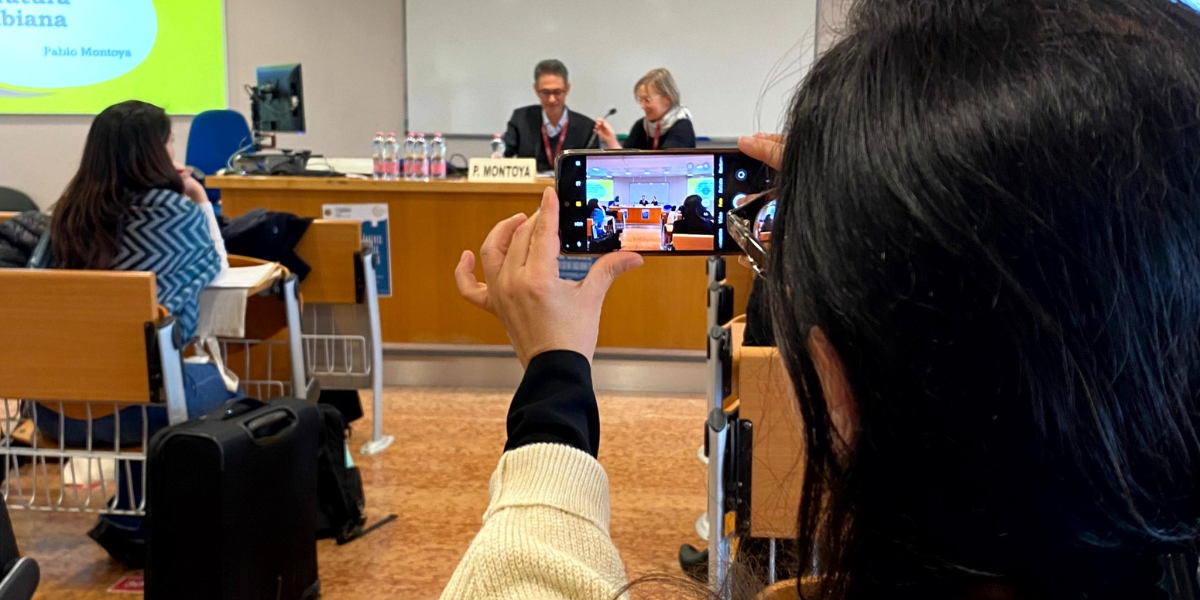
(667, 123)
(982, 278)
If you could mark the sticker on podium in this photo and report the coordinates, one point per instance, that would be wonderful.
(502, 170)
(375, 231)
(130, 584)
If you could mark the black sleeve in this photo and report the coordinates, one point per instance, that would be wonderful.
(681, 135)
(637, 138)
(555, 404)
(512, 137)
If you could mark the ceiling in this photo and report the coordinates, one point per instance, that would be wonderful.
(650, 166)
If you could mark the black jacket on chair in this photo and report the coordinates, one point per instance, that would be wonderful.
(268, 235)
(19, 236)
(524, 135)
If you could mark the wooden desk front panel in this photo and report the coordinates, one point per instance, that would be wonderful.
(661, 305)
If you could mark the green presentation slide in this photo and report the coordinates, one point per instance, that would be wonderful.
(600, 189)
(81, 56)
(703, 187)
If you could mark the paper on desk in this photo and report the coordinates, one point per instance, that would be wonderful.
(244, 277)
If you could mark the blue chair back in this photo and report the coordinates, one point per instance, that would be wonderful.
(215, 136)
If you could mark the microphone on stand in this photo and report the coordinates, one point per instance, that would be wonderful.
(611, 112)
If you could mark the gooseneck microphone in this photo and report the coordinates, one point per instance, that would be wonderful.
(592, 138)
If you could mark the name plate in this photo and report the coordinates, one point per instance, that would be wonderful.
(502, 170)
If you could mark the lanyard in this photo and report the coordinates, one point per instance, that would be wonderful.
(657, 131)
(562, 137)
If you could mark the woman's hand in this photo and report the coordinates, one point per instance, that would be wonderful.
(191, 188)
(606, 133)
(767, 147)
(540, 311)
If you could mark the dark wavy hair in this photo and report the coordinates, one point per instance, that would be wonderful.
(992, 210)
(693, 209)
(125, 154)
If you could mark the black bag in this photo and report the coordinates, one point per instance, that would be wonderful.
(232, 504)
(346, 401)
(340, 488)
(608, 243)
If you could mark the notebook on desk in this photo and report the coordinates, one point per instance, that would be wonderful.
(246, 277)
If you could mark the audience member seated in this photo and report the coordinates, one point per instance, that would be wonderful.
(598, 217)
(666, 124)
(980, 286)
(129, 208)
(694, 219)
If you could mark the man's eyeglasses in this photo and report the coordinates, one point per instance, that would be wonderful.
(548, 94)
(750, 225)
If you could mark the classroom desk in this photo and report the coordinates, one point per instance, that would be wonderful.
(660, 306)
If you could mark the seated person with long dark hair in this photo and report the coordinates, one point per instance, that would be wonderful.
(694, 219)
(129, 208)
(981, 277)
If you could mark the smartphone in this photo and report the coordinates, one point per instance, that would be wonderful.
(654, 202)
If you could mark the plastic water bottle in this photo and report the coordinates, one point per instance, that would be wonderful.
(379, 168)
(421, 169)
(391, 157)
(410, 145)
(498, 146)
(437, 157)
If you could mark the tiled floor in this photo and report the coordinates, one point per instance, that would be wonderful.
(435, 479)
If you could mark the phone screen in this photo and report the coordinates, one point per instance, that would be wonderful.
(653, 202)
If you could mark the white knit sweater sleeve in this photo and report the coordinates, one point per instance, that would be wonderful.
(545, 533)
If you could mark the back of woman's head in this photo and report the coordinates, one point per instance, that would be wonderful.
(125, 154)
(992, 210)
(593, 204)
(693, 207)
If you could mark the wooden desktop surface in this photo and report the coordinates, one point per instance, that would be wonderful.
(660, 306)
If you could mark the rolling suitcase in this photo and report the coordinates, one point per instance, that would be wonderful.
(231, 510)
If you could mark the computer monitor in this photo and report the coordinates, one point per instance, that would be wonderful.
(277, 102)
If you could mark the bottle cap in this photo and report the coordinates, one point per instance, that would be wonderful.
(437, 135)
(392, 133)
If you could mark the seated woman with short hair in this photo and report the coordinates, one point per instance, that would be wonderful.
(667, 123)
(129, 208)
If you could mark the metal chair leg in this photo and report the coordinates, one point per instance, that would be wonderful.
(719, 546)
(378, 442)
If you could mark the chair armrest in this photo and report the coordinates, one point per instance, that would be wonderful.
(21, 581)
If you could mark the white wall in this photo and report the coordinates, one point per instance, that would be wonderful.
(353, 57)
(831, 20)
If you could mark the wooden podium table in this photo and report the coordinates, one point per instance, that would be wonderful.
(659, 306)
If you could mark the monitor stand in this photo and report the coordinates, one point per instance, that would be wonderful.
(264, 140)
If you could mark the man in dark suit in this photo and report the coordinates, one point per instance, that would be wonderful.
(543, 131)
